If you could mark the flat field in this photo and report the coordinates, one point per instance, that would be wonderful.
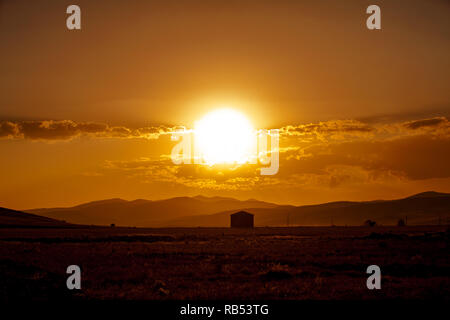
(221, 263)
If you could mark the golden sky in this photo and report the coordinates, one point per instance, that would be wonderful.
(86, 115)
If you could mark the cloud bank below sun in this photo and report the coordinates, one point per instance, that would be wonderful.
(320, 161)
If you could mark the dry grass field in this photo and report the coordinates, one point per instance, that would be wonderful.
(318, 263)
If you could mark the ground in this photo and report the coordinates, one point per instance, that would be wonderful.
(222, 263)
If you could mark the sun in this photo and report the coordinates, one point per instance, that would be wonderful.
(224, 136)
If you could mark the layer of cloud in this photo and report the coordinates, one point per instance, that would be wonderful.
(216, 177)
(427, 123)
(336, 130)
(416, 157)
(345, 130)
(68, 129)
(328, 154)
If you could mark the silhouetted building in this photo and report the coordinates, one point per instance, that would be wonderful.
(370, 223)
(241, 219)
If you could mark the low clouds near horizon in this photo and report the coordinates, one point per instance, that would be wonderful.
(324, 161)
(326, 154)
(67, 129)
(334, 129)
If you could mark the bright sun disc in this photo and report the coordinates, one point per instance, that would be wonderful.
(224, 136)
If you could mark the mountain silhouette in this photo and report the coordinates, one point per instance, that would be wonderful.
(420, 209)
(428, 194)
(423, 208)
(146, 212)
(13, 218)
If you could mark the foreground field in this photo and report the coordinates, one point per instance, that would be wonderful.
(220, 263)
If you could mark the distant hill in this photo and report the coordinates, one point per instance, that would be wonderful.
(422, 208)
(13, 218)
(146, 212)
(429, 194)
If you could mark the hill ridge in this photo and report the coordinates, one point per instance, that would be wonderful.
(421, 208)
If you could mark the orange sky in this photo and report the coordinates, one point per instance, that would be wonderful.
(84, 114)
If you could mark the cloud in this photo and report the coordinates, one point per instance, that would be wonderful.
(48, 130)
(433, 122)
(331, 154)
(335, 130)
(351, 130)
(412, 157)
(68, 129)
(8, 129)
(328, 129)
(136, 164)
(217, 177)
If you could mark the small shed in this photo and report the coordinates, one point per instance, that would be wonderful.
(241, 219)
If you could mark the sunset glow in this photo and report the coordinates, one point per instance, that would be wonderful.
(83, 119)
(199, 156)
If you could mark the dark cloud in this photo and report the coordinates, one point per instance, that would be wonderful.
(48, 130)
(8, 129)
(417, 124)
(411, 157)
(428, 112)
(68, 129)
(92, 127)
(334, 129)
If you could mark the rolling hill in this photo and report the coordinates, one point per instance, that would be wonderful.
(13, 218)
(145, 212)
(423, 208)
